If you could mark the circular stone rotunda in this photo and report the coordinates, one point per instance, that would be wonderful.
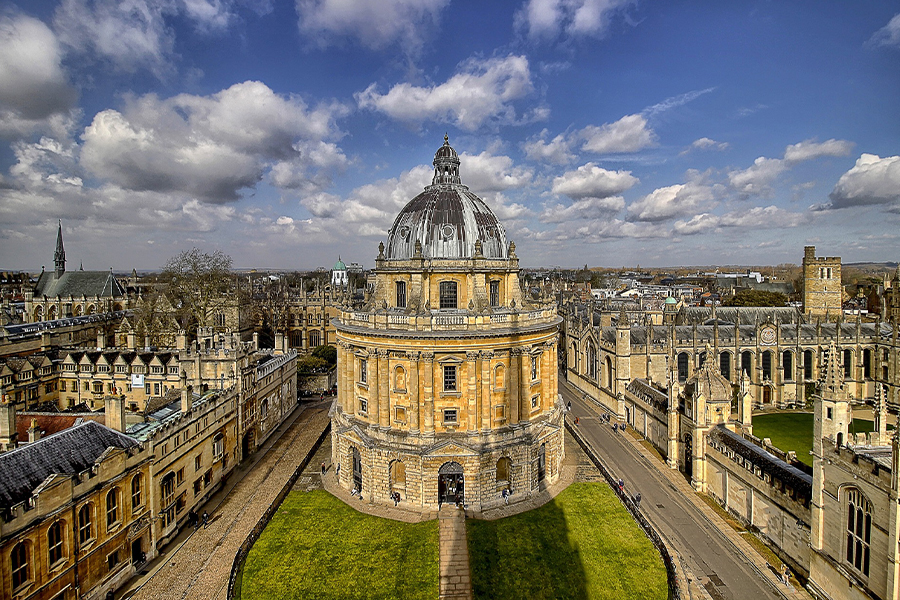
(447, 378)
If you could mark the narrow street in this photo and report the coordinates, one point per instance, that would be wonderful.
(668, 502)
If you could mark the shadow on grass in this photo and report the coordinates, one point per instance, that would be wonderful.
(526, 556)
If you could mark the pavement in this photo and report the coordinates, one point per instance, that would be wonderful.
(455, 581)
(717, 561)
(197, 564)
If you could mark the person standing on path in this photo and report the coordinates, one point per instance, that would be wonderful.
(324, 468)
(205, 519)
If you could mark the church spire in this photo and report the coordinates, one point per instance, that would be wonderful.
(59, 257)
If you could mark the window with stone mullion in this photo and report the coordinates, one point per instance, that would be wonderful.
(450, 378)
(448, 294)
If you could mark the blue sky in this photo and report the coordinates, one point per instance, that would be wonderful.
(605, 132)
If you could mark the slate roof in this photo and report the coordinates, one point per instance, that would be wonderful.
(769, 463)
(68, 452)
(743, 315)
(78, 283)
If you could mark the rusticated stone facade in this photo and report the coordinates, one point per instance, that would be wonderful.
(447, 379)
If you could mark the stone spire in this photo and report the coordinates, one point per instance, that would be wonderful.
(59, 257)
(832, 385)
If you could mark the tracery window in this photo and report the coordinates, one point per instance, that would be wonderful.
(859, 529)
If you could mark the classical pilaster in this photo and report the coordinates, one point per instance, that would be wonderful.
(471, 371)
(513, 389)
(372, 376)
(384, 394)
(413, 390)
(428, 404)
(486, 390)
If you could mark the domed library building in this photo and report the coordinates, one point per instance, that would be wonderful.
(447, 378)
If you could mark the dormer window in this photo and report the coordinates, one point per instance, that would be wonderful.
(401, 294)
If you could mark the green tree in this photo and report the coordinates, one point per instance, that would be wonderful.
(757, 298)
(326, 353)
(310, 364)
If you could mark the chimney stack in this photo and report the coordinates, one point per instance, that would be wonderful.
(187, 395)
(9, 437)
(115, 413)
(34, 432)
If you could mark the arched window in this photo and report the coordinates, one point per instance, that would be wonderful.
(592, 361)
(112, 508)
(448, 294)
(848, 364)
(504, 470)
(51, 313)
(767, 365)
(38, 313)
(91, 309)
(787, 363)
(683, 361)
(575, 356)
(500, 377)
(398, 475)
(84, 524)
(867, 363)
(859, 529)
(746, 362)
(807, 364)
(136, 492)
(609, 373)
(399, 379)
(55, 543)
(315, 338)
(21, 571)
(725, 365)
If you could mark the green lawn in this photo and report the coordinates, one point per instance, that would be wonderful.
(582, 545)
(318, 547)
(794, 431)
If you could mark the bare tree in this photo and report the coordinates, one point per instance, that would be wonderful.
(199, 285)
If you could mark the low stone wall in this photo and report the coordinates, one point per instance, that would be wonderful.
(677, 587)
(241, 555)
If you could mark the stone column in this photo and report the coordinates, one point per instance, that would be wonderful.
(472, 391)
(372, 383)
(384, 393)
(512, 389)
(486, 390)
(428, 392)
(413, 385)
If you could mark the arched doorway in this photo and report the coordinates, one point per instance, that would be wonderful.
(357, 469)
(450, 483)
(248, 444)
(542, 462)
(688, 456)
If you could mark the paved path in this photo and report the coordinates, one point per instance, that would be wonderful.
(455, 581)
(199, 567)
(722, 562)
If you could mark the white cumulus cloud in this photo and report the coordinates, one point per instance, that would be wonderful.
(591, 181)
(549, 19)
(481, 92)
(810, 149)
(629, 134)
(872, 180)
(674, 200)
(757, 179)
(486, 172)
(889, 35)
(757, 217)
(34, 88)
(557, 151)
(375, 25)
(212, 146)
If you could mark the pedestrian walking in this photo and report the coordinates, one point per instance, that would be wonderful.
(324, 468)
(569, 406)
(205, 519)
(785, 574)
(621, 484)
(576, 421)
(637, 501)
(337, 471)
(505, 494)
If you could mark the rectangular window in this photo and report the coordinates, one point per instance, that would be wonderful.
(112, 508)
(207, 478)
(449, 378)
(401, 294)
(534, 368)
(450, 416)
(179, 476)
(448, 294)
(198, 462)
(363, 370)
(198, 486)
(535, 400)
(363, 406)
(400, 414)
(495, 293)
(112, 559)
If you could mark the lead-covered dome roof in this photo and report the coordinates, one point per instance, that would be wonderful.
(446, 218)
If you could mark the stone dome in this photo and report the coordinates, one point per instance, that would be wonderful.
(446, 218)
